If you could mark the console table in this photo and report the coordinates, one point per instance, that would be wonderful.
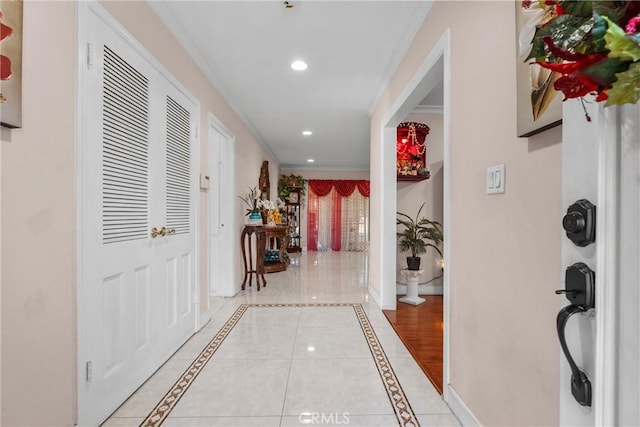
(247, 252)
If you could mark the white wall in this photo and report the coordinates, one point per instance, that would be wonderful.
(411, 195)
(318, 174)
(505, 249)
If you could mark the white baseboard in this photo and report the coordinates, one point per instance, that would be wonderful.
(374, 295)
(460, 409)
(426, 289)
(204, 319)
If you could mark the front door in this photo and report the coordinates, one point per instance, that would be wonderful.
(601, 164)
(137, 230)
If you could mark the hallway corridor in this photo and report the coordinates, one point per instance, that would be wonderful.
(311, 348)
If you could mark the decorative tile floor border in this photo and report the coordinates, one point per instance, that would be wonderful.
(398, 399)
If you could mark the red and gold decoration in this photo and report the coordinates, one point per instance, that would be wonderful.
(411, 150)
(11, 63)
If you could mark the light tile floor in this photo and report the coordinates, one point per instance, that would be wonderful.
(289, 366)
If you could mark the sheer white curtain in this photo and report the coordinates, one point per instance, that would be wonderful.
(324, 222)
(355, 222)
(354, 232)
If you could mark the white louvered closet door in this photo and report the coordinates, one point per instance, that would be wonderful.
(136, 296)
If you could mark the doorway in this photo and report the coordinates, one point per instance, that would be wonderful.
(434, 70)
(222, 223)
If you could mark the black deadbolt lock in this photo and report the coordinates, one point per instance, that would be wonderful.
(580, 222)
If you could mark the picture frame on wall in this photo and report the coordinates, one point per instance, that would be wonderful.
(539, 105)
(11, 63)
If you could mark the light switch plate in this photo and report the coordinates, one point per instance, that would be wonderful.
(204, 181)
(495, 179)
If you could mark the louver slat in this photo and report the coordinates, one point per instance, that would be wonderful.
(178, 167)
(125, 145)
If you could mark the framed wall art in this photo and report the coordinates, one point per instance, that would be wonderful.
(539, 106)
(11, 63)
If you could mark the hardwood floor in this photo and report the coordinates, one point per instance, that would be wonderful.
(421, 329)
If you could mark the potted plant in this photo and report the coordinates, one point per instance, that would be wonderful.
(416, 236)
(251, 199)
(287, 181)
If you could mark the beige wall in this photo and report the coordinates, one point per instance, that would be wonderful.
(411, 195)
(505, 249)
(39, 206)
(319, 174)
(39, 227)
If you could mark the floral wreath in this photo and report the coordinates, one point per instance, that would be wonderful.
(594, 46)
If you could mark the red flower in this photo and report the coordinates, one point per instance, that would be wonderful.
(5, 62)
(576, 85)
(632, 26)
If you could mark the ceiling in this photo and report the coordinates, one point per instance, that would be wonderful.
(352, 49)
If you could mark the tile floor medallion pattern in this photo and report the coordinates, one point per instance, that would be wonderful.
(402, 409)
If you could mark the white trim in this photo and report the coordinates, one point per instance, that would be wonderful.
(606, 266)
(446, 212)
(195, 193)
(460, 409)
(162, 9)
(231, 288)
(429, 109)
(399, 53)
(82, 332)
(205, 317)
(325, 168)
(374, 295)
(415, 90)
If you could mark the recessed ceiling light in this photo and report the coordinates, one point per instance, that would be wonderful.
(307, 132)
(299, 65)
(310, 160)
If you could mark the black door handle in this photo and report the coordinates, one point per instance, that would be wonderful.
(580, 384)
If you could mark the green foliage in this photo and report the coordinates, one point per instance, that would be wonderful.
(418, 233)
(251, 200)
(626, 90)
(620, 44)
(292, 180)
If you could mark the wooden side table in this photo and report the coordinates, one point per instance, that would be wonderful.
(247, 252)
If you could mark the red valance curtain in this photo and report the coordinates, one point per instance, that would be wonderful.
(344, 187)
(323, 187)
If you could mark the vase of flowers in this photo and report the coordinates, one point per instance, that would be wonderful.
(271, 211)
(252, 200)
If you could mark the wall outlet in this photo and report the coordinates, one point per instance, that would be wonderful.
(495, 179)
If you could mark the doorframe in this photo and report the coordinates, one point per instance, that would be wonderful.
(84, 54)
(415, 90)
(228, 287)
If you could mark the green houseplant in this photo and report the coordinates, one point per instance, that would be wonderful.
(416, 235)
(287, 181)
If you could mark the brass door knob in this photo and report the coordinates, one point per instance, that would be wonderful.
(171, 231)
(155, 232)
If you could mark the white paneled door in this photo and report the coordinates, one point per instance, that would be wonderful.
(136, 292)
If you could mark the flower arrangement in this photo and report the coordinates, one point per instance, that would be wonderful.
(273, 210)
(593, 46)
(252, 200)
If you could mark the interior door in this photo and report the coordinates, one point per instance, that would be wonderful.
(601, 163)
(222, 226)
(136, 290)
